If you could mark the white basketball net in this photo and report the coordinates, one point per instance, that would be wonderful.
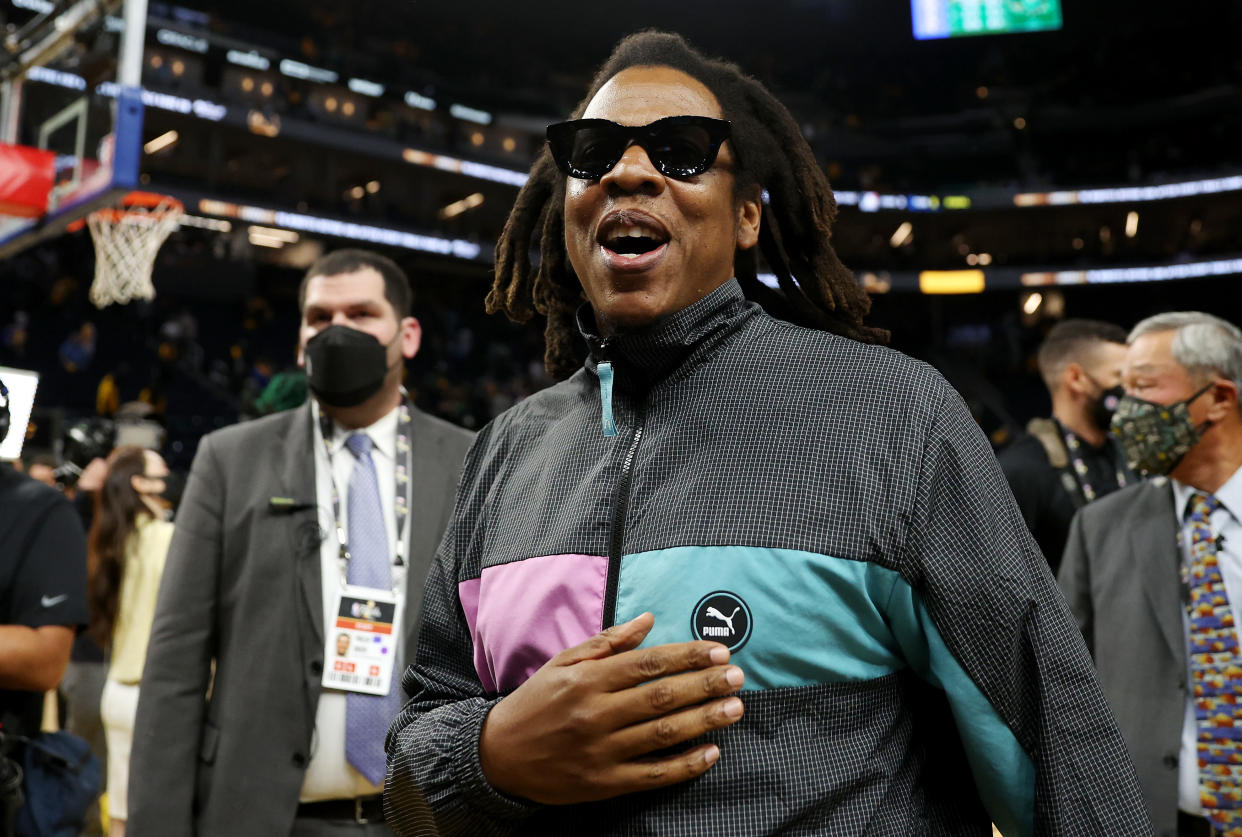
(126, 242)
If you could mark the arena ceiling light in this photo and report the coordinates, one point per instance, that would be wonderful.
(353, 231)
(418, 100)
(56, 77)
(260, 240)
(251, 59)
(903, 235)
(479, 117)
(213, 224)
(271, 237)
(1132, 194)
(296, 69)
(464, 205)
(163, 141)
(260, 123)
(173, 38)
(1150, 273)
(287, 236)
(202, 108)
(482, 171)
(366, 88)
(1131, 224)
(951, 281)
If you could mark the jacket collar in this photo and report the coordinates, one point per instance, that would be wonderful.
(644, 356)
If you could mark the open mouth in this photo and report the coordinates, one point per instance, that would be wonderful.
(633, 241)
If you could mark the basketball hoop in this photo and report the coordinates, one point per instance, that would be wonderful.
(126, 241)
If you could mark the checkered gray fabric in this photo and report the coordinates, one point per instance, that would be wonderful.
(761, 433)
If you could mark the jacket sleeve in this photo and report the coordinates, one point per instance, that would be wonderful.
(435, 779)
(1023, 481)
(171, 704)
(985, 621)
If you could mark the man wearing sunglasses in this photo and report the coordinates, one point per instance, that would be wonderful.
(740, 572)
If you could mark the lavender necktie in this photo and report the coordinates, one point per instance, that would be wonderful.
(367, 717)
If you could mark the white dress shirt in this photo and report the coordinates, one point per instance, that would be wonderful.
(1225, 525)
(329, 775)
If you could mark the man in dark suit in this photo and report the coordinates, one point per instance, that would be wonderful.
(1152, 571)
(242, 728)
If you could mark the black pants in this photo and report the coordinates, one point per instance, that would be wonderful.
(307, 827)
(1189, 825)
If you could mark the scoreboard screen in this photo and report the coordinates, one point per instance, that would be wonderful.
(955, 18)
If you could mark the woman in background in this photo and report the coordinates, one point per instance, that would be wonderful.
(127, 546)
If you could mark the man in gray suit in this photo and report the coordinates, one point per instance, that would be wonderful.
(294, 529)
(1152, 573)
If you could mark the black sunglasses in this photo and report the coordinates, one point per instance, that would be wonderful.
(678, 146)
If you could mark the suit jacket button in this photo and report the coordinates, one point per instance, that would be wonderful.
(1170, 762)
(299, 760)
(316, 667)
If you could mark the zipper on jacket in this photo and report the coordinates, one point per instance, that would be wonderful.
(607, 376)
(620, 506)
(604, 370)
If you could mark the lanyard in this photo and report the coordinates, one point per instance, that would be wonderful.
(1074, 447)
(401, 492)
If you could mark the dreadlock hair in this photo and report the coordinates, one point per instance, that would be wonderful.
(769, 152)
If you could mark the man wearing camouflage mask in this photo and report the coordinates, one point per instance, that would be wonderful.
(1153, 572)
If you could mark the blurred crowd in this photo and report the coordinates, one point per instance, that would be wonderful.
(191, 365)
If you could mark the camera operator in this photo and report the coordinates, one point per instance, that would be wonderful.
(86, 447)
(42, 594)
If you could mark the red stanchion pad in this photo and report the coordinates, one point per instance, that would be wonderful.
(26, 176)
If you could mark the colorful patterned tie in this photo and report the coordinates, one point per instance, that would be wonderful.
(367, 717)
(1216, 668)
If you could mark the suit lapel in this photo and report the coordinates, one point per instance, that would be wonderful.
(1153, 545)
(426, 469)
(297, 480)
(436, 467)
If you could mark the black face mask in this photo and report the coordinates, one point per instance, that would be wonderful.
(344, 366)
(174, 487)
(169, 496)
(1102, 408)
